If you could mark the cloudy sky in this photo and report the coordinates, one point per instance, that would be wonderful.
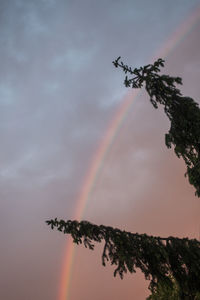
(58, 94)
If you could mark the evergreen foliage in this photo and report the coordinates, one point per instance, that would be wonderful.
(183, 113)
(171, 264)
(164, 261)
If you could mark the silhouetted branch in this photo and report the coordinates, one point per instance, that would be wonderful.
(183, 113)
(159, 258)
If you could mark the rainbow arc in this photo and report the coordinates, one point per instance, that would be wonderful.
(179, 34)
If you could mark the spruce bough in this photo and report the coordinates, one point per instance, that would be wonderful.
(171, 264)
(183, 113)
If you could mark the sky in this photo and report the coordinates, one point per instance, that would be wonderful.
(59, 93)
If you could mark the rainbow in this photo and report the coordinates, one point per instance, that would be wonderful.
(90, 179)
(105, 144)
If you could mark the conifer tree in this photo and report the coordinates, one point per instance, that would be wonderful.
(171, 264)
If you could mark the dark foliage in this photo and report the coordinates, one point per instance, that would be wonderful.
(162, 260)
(183, 113)
(171, 264)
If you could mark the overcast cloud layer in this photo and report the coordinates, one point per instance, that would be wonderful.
(58, 93)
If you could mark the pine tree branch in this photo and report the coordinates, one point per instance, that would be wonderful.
(183, 113)
(159, 258)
